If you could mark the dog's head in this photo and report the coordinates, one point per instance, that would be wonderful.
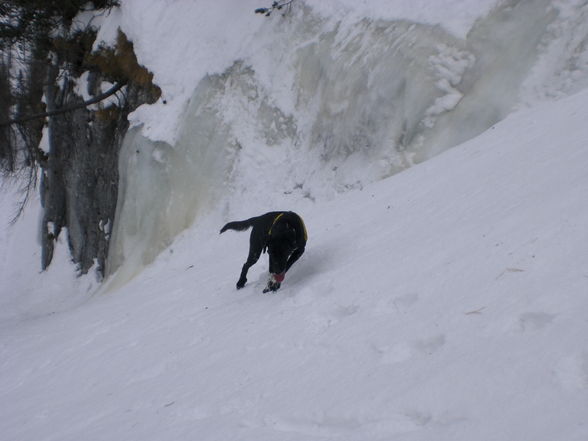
(281, 245)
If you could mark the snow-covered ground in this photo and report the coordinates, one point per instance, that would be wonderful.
(446, 302)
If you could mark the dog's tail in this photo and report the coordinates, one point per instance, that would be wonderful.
(238, 225)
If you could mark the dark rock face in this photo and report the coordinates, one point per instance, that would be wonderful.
(44, 62)
(79, 181)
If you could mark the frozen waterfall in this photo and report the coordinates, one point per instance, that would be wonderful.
(327, 107)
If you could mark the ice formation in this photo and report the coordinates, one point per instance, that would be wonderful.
(334, 104)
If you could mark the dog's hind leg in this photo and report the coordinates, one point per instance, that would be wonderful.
(251, 260)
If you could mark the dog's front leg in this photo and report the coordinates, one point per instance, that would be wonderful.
(294, 257)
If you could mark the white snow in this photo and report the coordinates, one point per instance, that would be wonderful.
(81, 88)
(446, 302)
(456, 16)
(25, 292)
(208, 36)
(347, 101)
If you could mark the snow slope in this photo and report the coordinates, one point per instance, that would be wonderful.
(447, 302)
(444, 303)
(25, 291)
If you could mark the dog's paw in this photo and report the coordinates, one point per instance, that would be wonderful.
(270, 289)
(272, 286)
(241, 283)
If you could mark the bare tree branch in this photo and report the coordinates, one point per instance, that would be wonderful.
(63, 110)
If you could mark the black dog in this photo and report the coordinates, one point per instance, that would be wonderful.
(284, 236)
